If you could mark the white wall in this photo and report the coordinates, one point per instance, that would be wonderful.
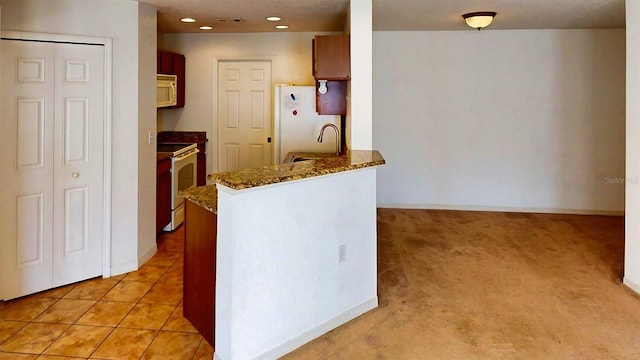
(279, 281)
(116, 19)
(511, 120)
(292, 64)
(147, 54)
(360, 118)
(632, 208)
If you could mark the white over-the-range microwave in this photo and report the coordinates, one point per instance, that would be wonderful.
(167, 90)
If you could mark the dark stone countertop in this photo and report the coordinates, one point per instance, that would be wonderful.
(182, 137)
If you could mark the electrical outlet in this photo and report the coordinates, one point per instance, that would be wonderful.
(342, 253)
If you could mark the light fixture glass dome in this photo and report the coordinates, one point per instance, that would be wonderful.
(479, 20)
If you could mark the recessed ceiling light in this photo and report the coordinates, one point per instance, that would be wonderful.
(188, 20)
(205, 28)
(273, 18)
(282, 27)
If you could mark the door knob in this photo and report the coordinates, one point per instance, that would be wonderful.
(75, 175)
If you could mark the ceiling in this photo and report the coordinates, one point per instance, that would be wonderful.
(388, 15)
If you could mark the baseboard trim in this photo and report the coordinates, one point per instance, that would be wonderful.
(124, 268)
(317, 331)
(134, 265)
(631, 285)
(502, 209)
(148, 255)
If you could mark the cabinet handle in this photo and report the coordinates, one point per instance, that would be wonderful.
(75, 175)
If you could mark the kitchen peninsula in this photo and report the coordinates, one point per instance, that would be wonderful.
(285, 253)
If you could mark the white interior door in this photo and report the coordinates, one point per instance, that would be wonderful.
(26, 133)
(244, 115)
(52, 160)
(78, 163)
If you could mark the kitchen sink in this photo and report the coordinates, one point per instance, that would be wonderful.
(304, 158)
(296, 157)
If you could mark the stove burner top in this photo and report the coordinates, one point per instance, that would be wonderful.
(175, 149)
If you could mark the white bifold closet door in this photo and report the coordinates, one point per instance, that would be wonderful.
(51, 155)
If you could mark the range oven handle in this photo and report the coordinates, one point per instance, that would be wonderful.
(184, 156)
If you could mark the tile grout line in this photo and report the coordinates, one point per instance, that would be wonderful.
(163, 324)
(75, 321)
(114, 327)
(129, 312)
(32, 322)
(174, 260)
(121, 320)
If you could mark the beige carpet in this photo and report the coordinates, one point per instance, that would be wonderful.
(481, 285)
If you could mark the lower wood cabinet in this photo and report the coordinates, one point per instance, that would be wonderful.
(163, 193)
(199, 287)
(201, 177)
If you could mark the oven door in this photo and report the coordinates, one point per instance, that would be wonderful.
(184, 176)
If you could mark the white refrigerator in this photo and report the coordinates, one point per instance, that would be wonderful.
(296, 123)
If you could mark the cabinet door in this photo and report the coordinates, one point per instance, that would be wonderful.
(334, 102)
(201, 179)
(163, 194)
(165, 63)
(199, 289)
(331, 57)
(179, 71)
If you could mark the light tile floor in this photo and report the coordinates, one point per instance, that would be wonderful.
(131, 316)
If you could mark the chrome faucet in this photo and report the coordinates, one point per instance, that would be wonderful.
(337, 136)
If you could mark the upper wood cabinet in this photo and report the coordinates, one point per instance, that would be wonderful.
(331, 57)
(173, 64)
(334, 101)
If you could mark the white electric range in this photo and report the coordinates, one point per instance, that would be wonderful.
(183, 176)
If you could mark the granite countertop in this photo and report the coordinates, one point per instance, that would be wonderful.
(207, 196)
(204, 196)
(249, 178)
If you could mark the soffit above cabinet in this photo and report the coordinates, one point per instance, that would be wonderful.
(388, 15)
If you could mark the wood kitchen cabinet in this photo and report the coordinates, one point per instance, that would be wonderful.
(199, 289)
(331, 57)
(334, 102)
(201, 163)
(332, 62)
(173, 64)
(163, 193)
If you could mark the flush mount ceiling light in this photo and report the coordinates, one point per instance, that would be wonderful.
(273, 18)
(480, 19)
(205, 27)
(188, 20)
(282, 27)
